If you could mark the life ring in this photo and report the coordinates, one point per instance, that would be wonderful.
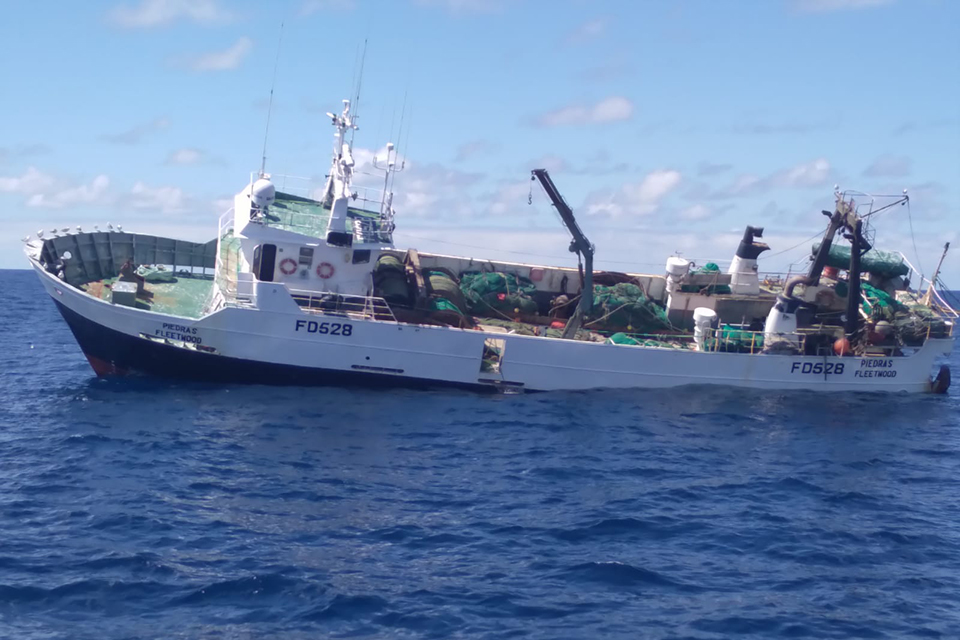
(288, 266)
(325, 270)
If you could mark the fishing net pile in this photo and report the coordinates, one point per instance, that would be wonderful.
(623, 338)
(526, 329)
(155, 274)
(625, 306)
(508, 297)
(733, 340)
(711, 268)
(498, 294)
(390, 280)
(912, 323)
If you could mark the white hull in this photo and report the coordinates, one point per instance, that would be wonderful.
(288, 343)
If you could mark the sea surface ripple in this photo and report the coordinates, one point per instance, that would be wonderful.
(159, 509)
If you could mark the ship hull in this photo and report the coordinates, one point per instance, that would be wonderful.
(281, 344)
(115, 353)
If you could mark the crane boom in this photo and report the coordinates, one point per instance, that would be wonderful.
(579, 245)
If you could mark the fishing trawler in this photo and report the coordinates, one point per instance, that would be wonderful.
(310, 289)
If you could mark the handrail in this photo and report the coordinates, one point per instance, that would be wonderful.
(944, 305)
(338, 304)
(326, 303)
(367, 195)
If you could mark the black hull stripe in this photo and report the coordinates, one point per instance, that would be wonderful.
(137, 355)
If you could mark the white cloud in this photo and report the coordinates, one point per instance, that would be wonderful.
(612, 109)
(220, 205)
(810, 174)
(45, 191)
(57, 198)
(816, 173)
(421, 191)
(589, 30)
(313, 6)
(635, 199)
(655, 186)
(31, 182)
(510, 198)
(744, 183)
(433, 191)
(889, 166)
(137, 133)
(161, 13)
(229, 58)
(826, 6)
(162, 199)
(185, 156)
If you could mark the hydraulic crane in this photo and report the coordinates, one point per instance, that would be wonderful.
(579, 245)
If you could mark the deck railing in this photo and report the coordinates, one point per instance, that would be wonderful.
(337, 304)
(224, 274)
(311, 188)
(938, 304)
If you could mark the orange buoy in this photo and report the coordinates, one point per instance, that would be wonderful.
(842, 347)
(558, 324)
(831, 272)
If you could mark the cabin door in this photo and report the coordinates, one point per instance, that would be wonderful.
(264, 262)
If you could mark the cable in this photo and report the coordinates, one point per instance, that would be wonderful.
(539, 255)
(801, 243)
(914, 239)
(900, 200)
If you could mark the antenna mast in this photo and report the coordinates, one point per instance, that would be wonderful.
(273, 83)
(356, 100)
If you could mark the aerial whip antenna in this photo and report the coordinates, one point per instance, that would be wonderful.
(356, 100)
(273, 83)
(403, 111)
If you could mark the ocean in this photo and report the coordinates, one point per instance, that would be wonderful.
(144, 508)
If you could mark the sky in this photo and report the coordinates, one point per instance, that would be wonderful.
(667, 126)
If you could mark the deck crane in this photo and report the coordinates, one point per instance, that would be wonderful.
(579, 245)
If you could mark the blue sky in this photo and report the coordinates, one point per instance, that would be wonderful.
(668, 126)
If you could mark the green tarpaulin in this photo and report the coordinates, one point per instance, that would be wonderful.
(886, 264)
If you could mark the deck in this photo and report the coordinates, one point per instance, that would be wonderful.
(185, 296)
(310, 217)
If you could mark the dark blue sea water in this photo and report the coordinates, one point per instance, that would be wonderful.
(159, 509)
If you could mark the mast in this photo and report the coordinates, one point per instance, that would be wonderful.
(816, 267)
(853, 226)
(579, 245)
(852, 325)
(338, 189)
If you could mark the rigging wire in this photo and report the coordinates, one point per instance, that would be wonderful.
(799, 244)
(913, 239)
(526, 253)
(900, 200)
